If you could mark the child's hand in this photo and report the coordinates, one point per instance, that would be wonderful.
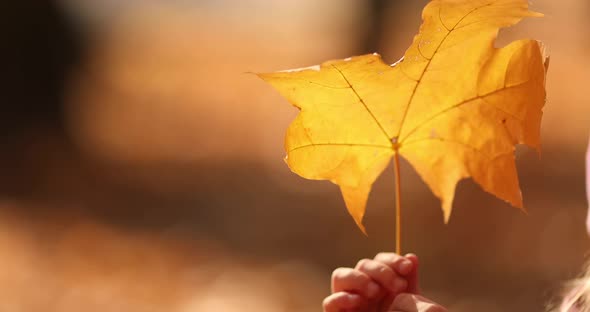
(373, 285)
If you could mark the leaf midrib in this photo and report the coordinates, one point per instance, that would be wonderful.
(418, 82)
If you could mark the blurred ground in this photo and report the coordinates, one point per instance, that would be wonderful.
(168, 190)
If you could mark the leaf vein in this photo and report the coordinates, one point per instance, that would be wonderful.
(461, 144)
(446, 110)
(337, 145)
(362, 102)
(412, 96)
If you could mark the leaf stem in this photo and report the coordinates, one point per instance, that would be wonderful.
(398, 205)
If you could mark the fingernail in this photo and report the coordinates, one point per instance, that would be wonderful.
(399, 285)
(372, 290)
(405, 267)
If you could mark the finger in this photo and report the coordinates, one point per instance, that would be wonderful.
(383, 274)
(414, 303)
(354, 281)
(400, 264)
(340, 301)
(412, 277)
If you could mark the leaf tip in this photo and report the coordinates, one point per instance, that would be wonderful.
(259, 75)
(516, 202)
(447, 206)
(355, 199)
(446, 215)
(359, 223)
(521, 207)
(519, 204)
(362, 228)
(263, 76)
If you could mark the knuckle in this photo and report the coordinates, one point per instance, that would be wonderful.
(385, 271)
(341, 273)
(383, 255)
(363, 264)
(375, 269)
(387, 257)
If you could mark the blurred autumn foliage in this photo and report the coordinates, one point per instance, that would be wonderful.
(151, 176)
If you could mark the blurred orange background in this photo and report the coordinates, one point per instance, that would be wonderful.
(156, 181)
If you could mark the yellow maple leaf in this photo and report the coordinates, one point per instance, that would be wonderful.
(454, 107)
